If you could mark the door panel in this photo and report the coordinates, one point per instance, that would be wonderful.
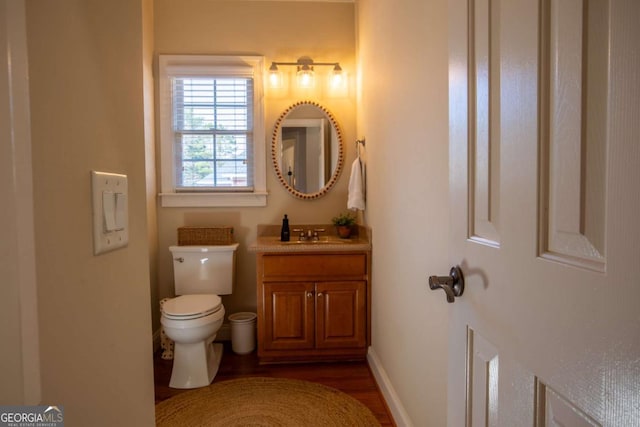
(544, 135)
(484, 91)
(341, 314)
(289, 316)
(574, 37)
(554, 410)
(483, 367)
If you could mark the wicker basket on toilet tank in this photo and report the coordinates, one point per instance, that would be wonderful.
(205, 236)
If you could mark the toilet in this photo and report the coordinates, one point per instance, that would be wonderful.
(193, 318)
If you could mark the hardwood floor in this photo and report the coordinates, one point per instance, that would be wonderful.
(352, 378)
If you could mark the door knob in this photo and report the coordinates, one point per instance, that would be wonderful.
(452, 285)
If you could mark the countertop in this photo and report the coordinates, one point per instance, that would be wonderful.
(268, 240)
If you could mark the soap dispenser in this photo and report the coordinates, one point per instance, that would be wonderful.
(284, 233)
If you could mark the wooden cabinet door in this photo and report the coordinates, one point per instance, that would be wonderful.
(289, 315)
(340, 314)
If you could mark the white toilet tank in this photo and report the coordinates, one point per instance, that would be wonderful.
(204, 269)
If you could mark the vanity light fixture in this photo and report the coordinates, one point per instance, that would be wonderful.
(305, 72)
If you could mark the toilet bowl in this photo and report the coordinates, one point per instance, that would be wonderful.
(192, 322)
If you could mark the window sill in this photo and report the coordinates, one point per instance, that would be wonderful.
(218, 200)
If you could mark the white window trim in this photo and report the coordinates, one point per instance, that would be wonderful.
(168, 196)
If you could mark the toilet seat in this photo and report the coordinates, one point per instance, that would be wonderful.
(186, 307)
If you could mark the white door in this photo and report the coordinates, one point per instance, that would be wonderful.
(545, 203)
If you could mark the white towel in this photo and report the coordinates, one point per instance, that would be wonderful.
(356, 187)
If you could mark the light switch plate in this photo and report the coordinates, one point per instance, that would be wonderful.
(113, 188)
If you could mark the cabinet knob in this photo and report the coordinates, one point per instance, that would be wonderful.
(319, 294)
(309, 294)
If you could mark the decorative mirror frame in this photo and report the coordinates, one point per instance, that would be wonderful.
(275, 160)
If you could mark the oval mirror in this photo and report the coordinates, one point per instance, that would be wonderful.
(307, 150)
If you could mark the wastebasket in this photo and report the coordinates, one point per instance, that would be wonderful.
(243, 332)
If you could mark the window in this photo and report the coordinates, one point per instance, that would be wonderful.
(212, 126)
(212, 131)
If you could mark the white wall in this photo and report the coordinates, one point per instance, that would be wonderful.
(20, 366)
(403, 59)
(150, 152)
(87, 113)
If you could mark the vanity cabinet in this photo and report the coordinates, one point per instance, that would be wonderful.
(313, 306)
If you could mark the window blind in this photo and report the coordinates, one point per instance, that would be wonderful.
(213, 131)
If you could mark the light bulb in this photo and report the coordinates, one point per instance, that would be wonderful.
(336, 79)
(275, 79)
(305, 76)
(275, 76)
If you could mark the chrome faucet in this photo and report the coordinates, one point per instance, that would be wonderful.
(308, 235)
(302, 236)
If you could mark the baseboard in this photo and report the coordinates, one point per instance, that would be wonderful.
(398, 412)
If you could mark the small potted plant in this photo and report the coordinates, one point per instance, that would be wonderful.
(344, 223)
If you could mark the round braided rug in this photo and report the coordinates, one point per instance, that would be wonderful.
(264, 402)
